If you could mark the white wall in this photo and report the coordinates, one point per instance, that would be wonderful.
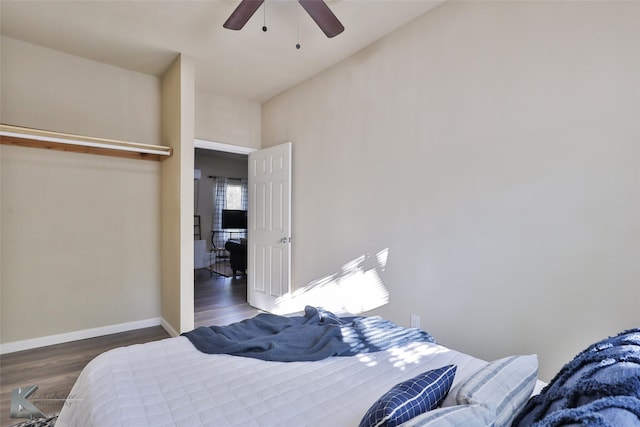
(492, 148)
(80, 233)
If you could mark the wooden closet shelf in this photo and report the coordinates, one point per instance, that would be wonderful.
(35, 138)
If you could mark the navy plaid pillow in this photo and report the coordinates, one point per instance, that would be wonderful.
(410, 398)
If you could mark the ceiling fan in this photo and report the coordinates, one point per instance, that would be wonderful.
(317, 9)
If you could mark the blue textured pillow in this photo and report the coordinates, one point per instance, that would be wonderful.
(410, 398)
(599, 387)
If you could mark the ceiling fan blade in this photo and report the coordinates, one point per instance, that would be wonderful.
(242, 14)
(326, 20)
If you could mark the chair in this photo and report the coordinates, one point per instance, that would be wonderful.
(238, 255)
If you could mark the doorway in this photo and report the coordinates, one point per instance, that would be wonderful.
(268, 222)
(220, 297)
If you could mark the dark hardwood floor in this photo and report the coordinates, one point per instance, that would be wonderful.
(220, 300)
(217, 301)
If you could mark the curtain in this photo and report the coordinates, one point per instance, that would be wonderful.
(245, 201)
(245, 195)
(219, 202)
(220, 236)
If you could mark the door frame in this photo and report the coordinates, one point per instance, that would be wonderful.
(223, 148)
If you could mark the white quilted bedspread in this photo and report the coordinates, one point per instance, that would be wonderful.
(170, 383)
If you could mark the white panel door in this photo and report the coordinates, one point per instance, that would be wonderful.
(269, 223)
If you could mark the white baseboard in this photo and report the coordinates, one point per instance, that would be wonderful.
(167, 327)
(12, 347)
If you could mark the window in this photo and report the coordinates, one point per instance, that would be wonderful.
(229, 193)
(234, 194)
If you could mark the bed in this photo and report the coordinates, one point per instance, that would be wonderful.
(172, 383)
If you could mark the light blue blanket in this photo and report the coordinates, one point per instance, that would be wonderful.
(316, 335)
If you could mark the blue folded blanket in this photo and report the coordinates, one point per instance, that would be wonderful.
(600, 387)
(316, 335)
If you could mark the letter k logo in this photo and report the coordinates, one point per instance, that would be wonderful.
(21, 407)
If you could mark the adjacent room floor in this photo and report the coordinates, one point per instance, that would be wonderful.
(218, 300)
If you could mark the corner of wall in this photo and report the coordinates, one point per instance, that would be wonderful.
(178, 105)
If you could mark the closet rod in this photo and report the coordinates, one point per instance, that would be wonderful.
(36, 138)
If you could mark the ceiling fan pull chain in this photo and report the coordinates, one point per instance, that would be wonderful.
(264, 22)
(298, 44)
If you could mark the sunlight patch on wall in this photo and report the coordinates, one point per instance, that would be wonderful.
(356, 288)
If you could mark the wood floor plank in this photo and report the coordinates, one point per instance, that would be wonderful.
(217, 301)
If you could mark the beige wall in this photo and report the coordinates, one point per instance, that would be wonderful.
(177, 195)
(492, 149)
(48, 89)
(227, 120)
(51, 90)
(80, 242)
(80, 233)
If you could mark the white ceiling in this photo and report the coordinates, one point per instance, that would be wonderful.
(147, 35)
